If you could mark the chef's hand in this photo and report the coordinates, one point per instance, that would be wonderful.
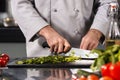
(56, 42)
(91, 39)
(60, 74)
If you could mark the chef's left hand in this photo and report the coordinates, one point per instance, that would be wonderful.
(91, 39)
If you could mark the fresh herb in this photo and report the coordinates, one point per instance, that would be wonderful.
(49, 59)
(106, 56)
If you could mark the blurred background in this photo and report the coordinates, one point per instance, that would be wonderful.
(119, 13)
(12, 40)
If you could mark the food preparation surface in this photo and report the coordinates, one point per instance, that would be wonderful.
(76, 64)
(86, 60)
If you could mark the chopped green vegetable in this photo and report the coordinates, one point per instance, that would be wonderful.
(49, 59)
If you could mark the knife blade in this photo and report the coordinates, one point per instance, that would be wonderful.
(85, 54)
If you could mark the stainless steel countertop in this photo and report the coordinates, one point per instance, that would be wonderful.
(36, 74)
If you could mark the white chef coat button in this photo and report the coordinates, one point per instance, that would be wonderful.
(76, 10)
(55, 10)
(76, 31)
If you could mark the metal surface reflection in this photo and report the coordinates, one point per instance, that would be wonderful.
(36, 74)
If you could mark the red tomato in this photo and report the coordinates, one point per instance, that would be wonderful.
(106, 78)
(3, 62)
(92, 77)
(5, 56)
(82, 78)
(118, 63)
(111, 70)
(105, 69)
(115, 71)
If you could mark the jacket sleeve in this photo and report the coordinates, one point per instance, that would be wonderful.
(27, 18)
(101, 21)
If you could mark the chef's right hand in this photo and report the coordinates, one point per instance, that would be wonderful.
(56, 42)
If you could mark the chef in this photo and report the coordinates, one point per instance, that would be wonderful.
(61, 23)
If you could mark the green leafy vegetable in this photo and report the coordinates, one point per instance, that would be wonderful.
(49, 59)
(106, 56)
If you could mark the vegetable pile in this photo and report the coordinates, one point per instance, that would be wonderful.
(4, 58)
(108, 62)
(110, 54)
(49, 59)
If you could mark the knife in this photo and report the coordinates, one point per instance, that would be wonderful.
(85, 54)
(45, 45)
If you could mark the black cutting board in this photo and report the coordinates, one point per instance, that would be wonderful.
(76, 64)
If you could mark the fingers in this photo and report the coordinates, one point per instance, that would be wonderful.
(93, 45)
(88, 43)
(91, 39)
(53, 46)
(84, 44)
(60, 46)
(63, 48)
(67, 47)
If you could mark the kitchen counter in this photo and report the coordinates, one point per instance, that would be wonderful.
(11, 34)
(39, 73)
(34, 74)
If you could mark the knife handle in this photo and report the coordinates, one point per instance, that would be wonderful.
(45, 45)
